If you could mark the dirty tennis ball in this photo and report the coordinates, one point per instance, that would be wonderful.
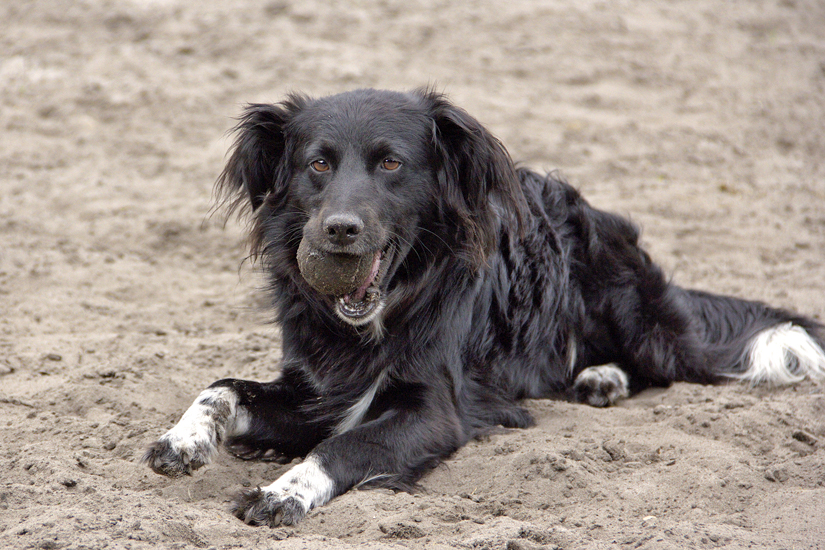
(334, 274)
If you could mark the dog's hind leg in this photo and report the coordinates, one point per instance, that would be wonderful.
(653, 333)
(253, 420)
(644, 338)
(601, 386)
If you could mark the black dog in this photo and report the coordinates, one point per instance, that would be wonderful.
(487, 284)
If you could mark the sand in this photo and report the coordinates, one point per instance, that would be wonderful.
(122, 294)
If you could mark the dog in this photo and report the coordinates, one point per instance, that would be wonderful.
(487, 284)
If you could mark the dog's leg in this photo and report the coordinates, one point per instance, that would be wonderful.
(255, 420)
(601, 386)
(281, 423)
(194, 440)
(393, 450)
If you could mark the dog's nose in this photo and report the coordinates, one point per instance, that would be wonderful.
(343, 229)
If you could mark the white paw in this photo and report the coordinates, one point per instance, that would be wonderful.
(195, 439)
(601, 386)
(287, 500)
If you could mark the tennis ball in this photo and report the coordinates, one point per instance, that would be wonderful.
(333, 274)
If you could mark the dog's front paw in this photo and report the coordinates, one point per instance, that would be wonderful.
(601, 386)
(170, 457)
(261, 507)
(194, 440)
(287, 500)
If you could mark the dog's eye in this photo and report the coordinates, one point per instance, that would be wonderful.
(390, 164)
(320, 165)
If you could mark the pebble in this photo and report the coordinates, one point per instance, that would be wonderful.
(780, 474)
(805, 437)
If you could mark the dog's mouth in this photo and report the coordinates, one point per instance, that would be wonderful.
(353, 281)
(360, 305)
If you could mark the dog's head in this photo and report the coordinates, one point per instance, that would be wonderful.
(398, 182)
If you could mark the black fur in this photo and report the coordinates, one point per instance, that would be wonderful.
(498, 284)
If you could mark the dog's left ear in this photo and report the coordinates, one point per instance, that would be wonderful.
(478, 174)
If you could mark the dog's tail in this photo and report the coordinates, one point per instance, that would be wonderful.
(754, 342)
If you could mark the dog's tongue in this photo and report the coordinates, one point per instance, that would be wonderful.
(361, 291)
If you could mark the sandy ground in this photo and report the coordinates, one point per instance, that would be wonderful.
(121, 296)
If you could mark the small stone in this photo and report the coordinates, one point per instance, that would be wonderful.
(779, 474)
(805, 437)
(615, 450)
(402, 531)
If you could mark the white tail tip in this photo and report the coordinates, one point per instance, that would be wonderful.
(783, 354)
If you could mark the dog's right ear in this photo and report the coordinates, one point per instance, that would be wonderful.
(258, 166)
